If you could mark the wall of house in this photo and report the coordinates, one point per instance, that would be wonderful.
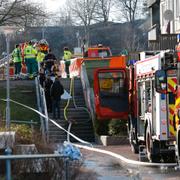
(171, 26)
(177, 16)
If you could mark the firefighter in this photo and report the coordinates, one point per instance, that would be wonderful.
(17, 59)
(30, 54)
(49, 61)
(67, 56)
(40, 57)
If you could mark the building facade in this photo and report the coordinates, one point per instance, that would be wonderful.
(165, 23)
(170, 16)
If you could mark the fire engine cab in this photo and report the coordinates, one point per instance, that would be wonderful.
(152, 121)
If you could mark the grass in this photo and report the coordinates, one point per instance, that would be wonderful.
(22, 94)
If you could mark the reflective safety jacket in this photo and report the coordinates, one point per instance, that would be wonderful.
(30, 52)
(16, 55)
(40, 56)
(67, 55)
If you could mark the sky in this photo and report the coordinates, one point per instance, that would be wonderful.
(53, 5)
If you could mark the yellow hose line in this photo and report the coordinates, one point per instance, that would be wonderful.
(68, 102)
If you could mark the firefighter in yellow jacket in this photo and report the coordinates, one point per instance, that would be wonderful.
(17, 59)
(67, 56)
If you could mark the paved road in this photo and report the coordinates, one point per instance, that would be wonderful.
(109, 168)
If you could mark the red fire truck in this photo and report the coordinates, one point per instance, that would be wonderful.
(152, 118)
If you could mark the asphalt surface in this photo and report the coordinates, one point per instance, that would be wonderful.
(108, 168)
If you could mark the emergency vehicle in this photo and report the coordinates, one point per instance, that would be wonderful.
(107, 77)
(98, 51)
(152, 96)
(177, 104)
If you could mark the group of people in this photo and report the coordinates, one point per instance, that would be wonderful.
(31, 57)
(37, 61)
(48, 69)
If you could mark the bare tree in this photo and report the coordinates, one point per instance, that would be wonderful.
(103, 9)
(20, 12)
(130, 10)
(84, 13)
(63, 17)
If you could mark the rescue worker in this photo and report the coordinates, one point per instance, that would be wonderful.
(17, 59)
(40, 57)
(30, 54)
(56, 91)
(49, 61)
(67, 56)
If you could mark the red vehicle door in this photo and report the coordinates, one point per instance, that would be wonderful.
(111, 93)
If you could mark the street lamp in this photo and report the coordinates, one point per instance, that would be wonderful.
(8, 31)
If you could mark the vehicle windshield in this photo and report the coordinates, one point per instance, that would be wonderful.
(112, 82)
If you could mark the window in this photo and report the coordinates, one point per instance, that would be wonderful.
(103, 53)
(177, 5)
(162, 13)
(112, 82)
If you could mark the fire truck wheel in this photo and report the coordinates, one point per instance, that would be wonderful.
(150, 147)
(170, 158)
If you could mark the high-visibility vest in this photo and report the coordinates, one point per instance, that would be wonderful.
(40, 57)
(30, 52)
(67, 55)
(17, 55)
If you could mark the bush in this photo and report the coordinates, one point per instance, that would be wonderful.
(117, 127)
(101, 127)
(23, 133)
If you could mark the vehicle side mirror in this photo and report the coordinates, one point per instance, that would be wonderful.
(161, 81)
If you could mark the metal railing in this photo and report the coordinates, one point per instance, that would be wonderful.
(163, 42)
(3, 66)
(88, 94)
(3, 61)
(41, 102)
(9, 157)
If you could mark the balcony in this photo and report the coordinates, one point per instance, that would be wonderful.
(163, 42)
(151, 2)
(152, 34)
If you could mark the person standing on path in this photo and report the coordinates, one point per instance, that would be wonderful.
(47, 86)
(30, 54)
(56, 91)
(49, 61)
(67, 56)
(40, 57)
(17, 59)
